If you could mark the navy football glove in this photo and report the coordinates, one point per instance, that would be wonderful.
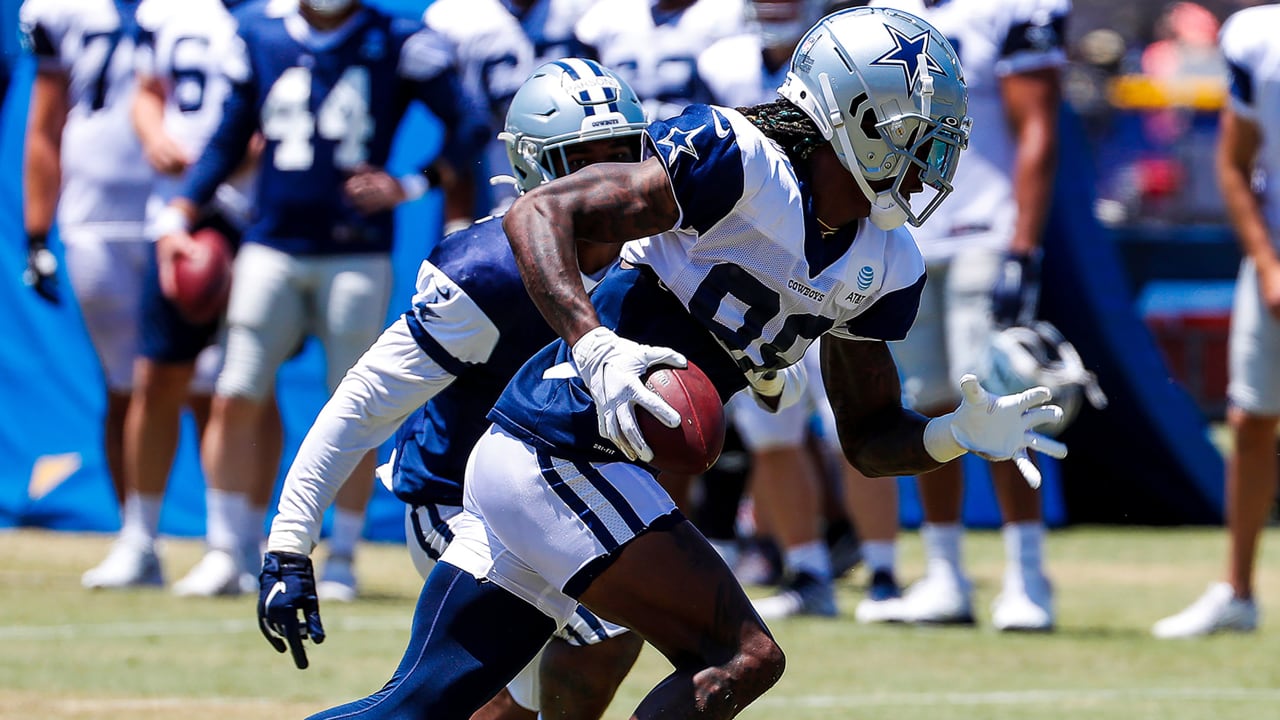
(41, 273)
(1017, 290)
(287, 587)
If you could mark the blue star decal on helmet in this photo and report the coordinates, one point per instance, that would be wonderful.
(678, 141)
(906, 55)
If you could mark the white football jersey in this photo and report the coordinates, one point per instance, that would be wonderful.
(994, 38)
(183, 44)
(734, 72)
(658, 54)
(748, 258)
(105, 179)
(1249, 44)
(498, 50)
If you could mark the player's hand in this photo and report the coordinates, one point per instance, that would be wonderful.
(372, 190)
(775, 390)
(41, 273)
(287, 588)
(997, 427)
(166, 155)
(611, 367)
(1017, 289)
(168, 249)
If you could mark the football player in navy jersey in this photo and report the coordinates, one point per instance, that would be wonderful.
(470, 327)
(326, 83)
(751, 233)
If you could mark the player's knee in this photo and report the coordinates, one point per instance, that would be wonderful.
(760, 663)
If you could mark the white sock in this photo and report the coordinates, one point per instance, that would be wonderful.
(942, 545)
(141, 523)
(253, 536)
(225, 513)
(346, 531)
(880, 555)
(811, 557)
(1023, 550)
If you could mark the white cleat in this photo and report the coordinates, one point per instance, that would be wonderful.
(941, 597)
(1024, 607)
(883, 603)
(1217, 610)
(217, 573)
(126, 566)
(339, 581)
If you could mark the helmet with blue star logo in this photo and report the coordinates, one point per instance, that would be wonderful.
(565, 102)
(886, 89)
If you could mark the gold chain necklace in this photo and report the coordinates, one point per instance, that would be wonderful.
(827, 230)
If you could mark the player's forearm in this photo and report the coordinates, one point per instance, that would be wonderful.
(1034, 166)
(148, 111)
(42, 180)
(1245, 215)
(393, 379)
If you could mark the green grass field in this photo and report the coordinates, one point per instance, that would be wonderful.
(67, 653)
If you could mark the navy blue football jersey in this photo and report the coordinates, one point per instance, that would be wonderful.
(328, 104)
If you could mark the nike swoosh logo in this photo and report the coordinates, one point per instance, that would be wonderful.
(276, 589)
(721, 132)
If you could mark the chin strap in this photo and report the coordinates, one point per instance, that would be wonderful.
(886, 213)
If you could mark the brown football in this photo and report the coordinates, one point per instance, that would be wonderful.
(694, 445)
(203, 278)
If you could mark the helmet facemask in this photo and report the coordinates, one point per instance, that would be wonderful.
(888, 130)
(566, 102)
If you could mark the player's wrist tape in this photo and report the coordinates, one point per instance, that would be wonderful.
(414, 186)
(289, 541)
(169, 221)
(940, 442)
(591, 346)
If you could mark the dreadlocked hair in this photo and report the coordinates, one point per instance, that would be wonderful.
(787, 125)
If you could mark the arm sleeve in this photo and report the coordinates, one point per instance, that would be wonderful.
(428, 69)
(394, 378)
(239, 121)
(42, 31)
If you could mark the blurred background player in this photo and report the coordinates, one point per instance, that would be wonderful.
(741, 71)
(326, 82)
(444, 362)
(83, 162)
(1247, 146)
(179, 101)
(499, 43)
(983, 254)
(654, 45)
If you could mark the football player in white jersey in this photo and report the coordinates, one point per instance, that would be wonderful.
(499, 44)
(729, 267)
(442, 365)
(654, 45)
(983, 255)
(743, 70)
(178, 104)
(1249, 142)
(83, 159)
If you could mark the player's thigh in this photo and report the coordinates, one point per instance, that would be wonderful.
(554, 524)
(762, 430)
(266, 320)
(922, 357)
(1253, 349)
(107, 280)
(970, 323)
(352, 293)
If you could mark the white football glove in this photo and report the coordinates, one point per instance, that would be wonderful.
(785, 386)
(996, 427)
(611, 367)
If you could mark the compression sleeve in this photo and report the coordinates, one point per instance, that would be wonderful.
(392, 379)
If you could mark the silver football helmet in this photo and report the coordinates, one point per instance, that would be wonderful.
(1020, 358)
(886, 89)
(781, 23)
(566, 102)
